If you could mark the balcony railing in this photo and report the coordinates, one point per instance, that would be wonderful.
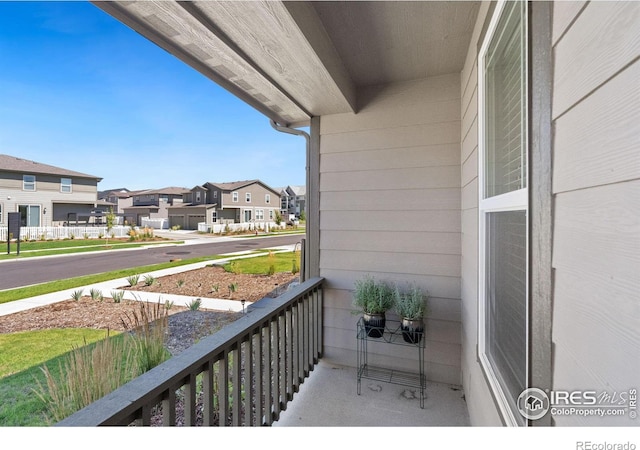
(243, 375)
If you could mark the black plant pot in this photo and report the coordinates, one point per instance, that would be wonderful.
(412, 330)
(374, 324)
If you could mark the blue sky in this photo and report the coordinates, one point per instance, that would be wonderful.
(82, 91)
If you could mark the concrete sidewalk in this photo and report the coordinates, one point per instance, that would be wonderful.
(107, 286)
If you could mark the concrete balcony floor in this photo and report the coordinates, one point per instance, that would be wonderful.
(329, 398)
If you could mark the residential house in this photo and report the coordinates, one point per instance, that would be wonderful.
(488, 152)
(152, 204)
(46, 195)
(121, 198)
(249, 201)
(292, 200)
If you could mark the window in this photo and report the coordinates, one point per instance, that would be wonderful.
(247, 197)
(271, 214)
(267, 198)
(65, 185)
(198, 197)
(215, 194)
(259, 214)
(214, 217)
(1, 213)
(234, 196)
(247, 215)
(28, 182)
(503, 208)
(29, 215)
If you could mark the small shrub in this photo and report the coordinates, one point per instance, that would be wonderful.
(233, 267)
(149, 280)
(194, 304)
(272, 270)
(101, 235)
(180, 283)
(215, 288)
(72, 236)
(133, 280)
(95, 294)
(233, 287)
(168, 304)
(117, 296)
(85, 236)
(295, 267)
(148, 328)
(77, 294)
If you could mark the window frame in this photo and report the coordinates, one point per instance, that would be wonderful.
(259, 214)
(267, 198)
(25, 183)
(247, 197)
(517, 200)
(63, 185)
(235, 197)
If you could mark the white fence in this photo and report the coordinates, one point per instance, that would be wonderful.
(158, 224)
(219, 228)
(45, 233)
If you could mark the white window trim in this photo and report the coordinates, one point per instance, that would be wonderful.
(24, 183)
(267, 198)
(247, 197)
(62, 185)
(234, 197)
(511, 201)
(1, 213)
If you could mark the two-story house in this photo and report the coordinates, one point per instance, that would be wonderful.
(47, 195)
(292, 200)
(120, 197)
(250, 201)
(152, 203)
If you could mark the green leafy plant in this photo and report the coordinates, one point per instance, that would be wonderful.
(295, 267)
(77, 294)
(272, 270)
(148, 327)
(180, 283)
(233, 287)
(194, 304)
(168, 304)
(117, 296)
(95, 294)
(411, 304)
(371, 296)
(133, 280)
(149, 280)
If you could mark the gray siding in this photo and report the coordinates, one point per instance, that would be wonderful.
(390, 207)
(482, 410)
(596, 183)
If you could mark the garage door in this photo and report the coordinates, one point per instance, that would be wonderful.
(193, 222)
(176, 221)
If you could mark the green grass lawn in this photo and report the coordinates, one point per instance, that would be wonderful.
(22, 356)
(282, 262)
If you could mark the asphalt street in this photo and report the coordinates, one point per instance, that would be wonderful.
(30, 271)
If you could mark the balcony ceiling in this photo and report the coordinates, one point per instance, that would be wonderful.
(294, 60)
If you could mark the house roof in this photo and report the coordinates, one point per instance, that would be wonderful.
(298, 190)
(314, 57)
(235, 185)
(172, 190)
(14, 164)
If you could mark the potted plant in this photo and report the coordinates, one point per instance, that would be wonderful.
(373, 298)
(411, 306)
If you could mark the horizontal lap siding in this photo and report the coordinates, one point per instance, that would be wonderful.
(596, 182)
(390, 207)
(482, 409)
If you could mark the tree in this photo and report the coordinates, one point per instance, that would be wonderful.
(111, 221)
(278, 218)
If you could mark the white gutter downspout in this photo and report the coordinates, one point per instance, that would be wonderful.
(296, 132)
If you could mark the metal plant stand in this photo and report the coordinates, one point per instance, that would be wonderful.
(392, 335)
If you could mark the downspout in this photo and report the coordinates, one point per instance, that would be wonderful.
(285, 129)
